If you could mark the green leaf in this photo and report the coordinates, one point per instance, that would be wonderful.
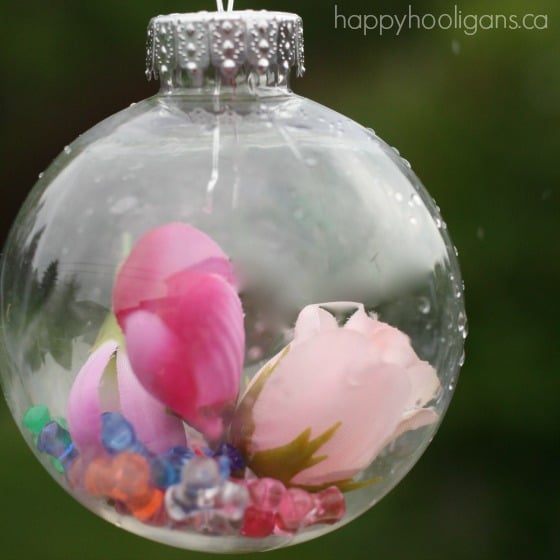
(285, 462)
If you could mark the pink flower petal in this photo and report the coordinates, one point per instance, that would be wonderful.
(155, 427)
(333, 377)
(413, 420)
(84, 409)
(312, 320)
(425, 384)
(161, 253)
(187, 348)
(391, 344)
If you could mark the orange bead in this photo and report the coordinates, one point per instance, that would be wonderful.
(148, 506)
(98, 477)
(131, 477)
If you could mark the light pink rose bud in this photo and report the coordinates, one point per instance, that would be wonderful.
(320, 412)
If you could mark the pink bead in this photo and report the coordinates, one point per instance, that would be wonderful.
(266, 493)
(295, 510)
(330, 506)
(258, 523)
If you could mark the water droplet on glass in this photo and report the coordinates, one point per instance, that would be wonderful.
(41, 175)
(67, 150)
(424, 305)
(413, 221)
(462, 324)
(396, 151)
(398, 197)
(416, 199)
(406, 163)
(462, 359)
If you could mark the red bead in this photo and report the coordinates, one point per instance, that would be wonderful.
(330, 505)
(296, 510)
(266, 493)
(258, 522)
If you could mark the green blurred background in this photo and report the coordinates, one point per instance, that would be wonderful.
(479, 118)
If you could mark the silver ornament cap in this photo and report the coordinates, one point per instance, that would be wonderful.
(193, 49)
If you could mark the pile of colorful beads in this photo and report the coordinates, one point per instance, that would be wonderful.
(188, 488)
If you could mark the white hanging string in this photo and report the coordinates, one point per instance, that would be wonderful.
(220, 5)
(230, 5)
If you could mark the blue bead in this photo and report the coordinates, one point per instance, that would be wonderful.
(179, 455)
(118, 435)
(56, 441)
(232, 453)
(225, 466)
(164, 473)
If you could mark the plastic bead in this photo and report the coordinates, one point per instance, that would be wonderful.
(55, 440)
(235, 459)
(260, 517)
(330, 506)
(258, 523)
(36, 418)
(233, 500)
(164, 473)
(179, 455)
(98, 477)
(266, 493)
(147, 506)
(295, 510)
(166, 469)
(125, 478)
(201, 474)
(224, 465)
(118, 435)
(204, 500)
(131, 475)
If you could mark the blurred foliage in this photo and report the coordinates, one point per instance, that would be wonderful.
(479, 118)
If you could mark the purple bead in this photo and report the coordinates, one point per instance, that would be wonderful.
(55, 441)
(235, 458)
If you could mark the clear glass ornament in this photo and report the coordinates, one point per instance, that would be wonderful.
(232, 319)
